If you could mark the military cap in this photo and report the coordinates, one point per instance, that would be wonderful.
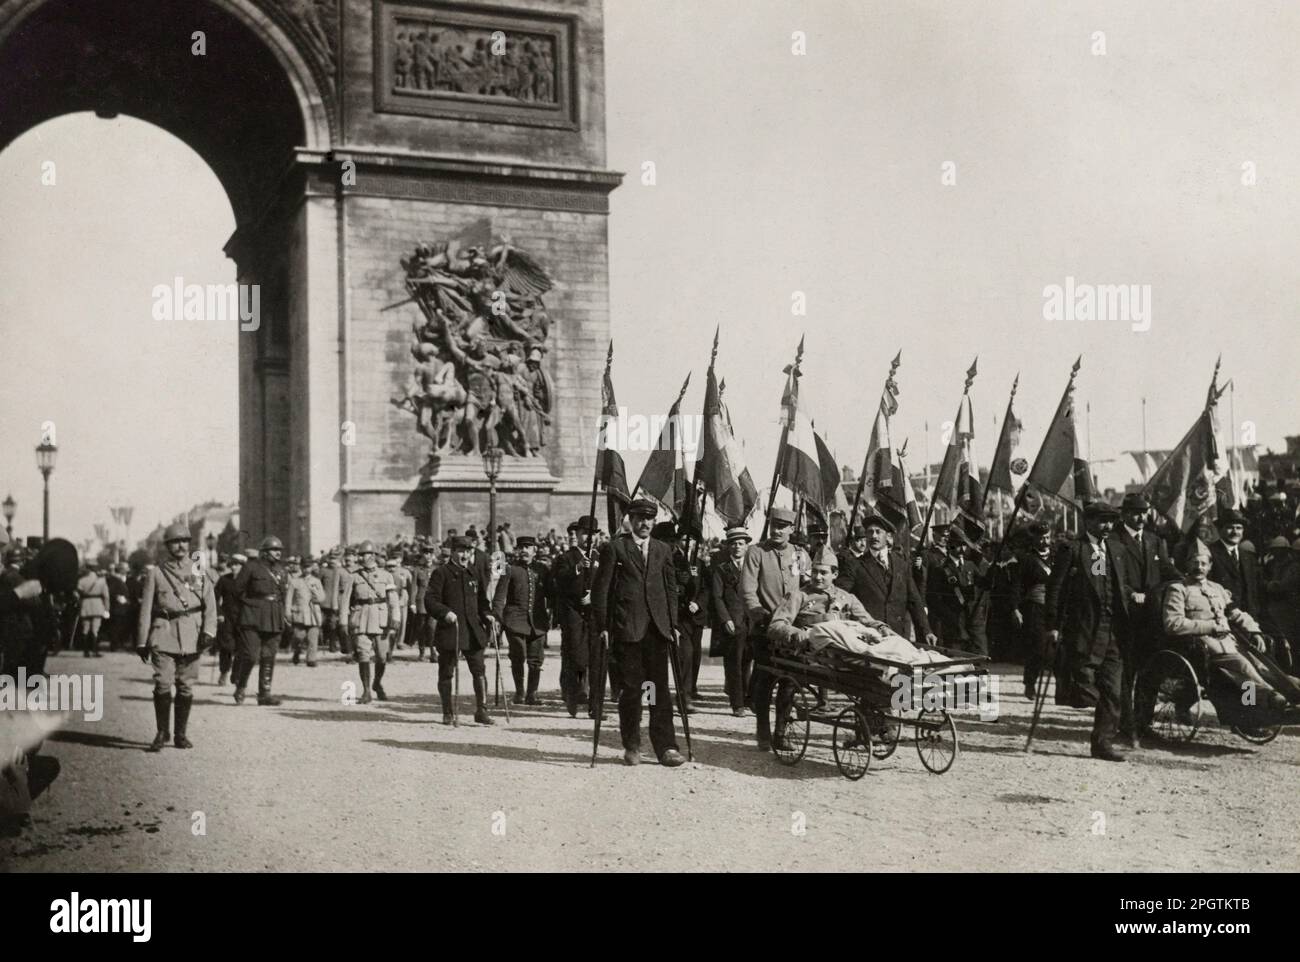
(525, 541)
(1100, 511)
(176, 532)
(270, 543)
(643, 507)
(390, 562)
(856, 532)
(781, 516)
(825, 557)
(1135, 501)
(461, 543)
(1230, 516)
(738, 534)
(585, 523)
(293, 559)
(800, 539)
(817, 528)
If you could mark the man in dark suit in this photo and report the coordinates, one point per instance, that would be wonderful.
(520, 604)
(1236, 567)
(1144, 565)
(572, 575)
(456, 600)
(882, 580)
(690, 605)
(1086, 612)
(260, 586)
(636, 614)
(950, 588)
(731, 618)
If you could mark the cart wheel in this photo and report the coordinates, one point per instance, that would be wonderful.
(936, 740)
(790, 726)
(1258, 736)
(1166, 679)
(851, 742)
(886, 733)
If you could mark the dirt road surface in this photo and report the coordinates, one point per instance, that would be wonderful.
(318, 785)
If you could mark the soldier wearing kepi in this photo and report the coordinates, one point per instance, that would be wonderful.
(457, 600)
(635, 600)
(178, 619)
(260, 585)
(376, 611)
(520, 605)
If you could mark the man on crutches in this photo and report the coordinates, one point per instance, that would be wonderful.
(457, 601)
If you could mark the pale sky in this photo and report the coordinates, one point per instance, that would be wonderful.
(776, 173)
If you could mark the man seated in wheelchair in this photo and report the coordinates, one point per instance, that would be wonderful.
(821, 616)
(1244, 687)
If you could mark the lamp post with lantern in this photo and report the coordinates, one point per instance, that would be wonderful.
(10, 509)
(46, 453)
(492, 468)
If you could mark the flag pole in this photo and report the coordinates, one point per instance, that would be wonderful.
(793, 371)
(1144, 441)
(857, 496)
(604, 428)
(929, 511)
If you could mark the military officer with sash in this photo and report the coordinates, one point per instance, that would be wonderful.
(178, 619)
(375, 613)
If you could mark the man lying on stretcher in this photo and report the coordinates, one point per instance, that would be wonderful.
(824, 616)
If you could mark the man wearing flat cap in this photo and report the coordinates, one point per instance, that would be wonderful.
(1087, 613)
(731, 617)
(771, 572)
(573, 574)
(520, 605)
(635, 602)
(881, 579)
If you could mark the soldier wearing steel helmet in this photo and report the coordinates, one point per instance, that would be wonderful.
(178, 620)
(260, 586)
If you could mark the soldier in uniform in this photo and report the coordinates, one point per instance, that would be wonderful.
(635, 600)
(457, 602)
(178, 619)
(92, 589)
(1086, 612)
(572, 576)
(402, 578)
(228, 617)
(375, 613)
(520, 606)
(260, 586)
(306, 592)
(731, 618)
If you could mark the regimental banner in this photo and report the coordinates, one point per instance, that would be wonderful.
(476, 63)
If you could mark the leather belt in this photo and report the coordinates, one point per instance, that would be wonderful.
(173, 615)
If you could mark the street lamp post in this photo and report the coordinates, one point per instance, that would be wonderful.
(46, 452)
(302, 529)
(492, 468)
(10, 509)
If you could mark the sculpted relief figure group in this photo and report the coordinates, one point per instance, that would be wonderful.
(479, 347)
(432, 58)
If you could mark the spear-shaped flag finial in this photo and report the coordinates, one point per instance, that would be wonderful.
(970, 374)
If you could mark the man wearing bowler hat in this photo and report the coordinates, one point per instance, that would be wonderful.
(771, 572)
(1087, 613)
(635, 600)
(178, 619)
(456, 600)
(1236, 566)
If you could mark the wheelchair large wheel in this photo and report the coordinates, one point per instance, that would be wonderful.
(790, 726)
(1168, 677)
(936, 740)
(1258, 736)
(851, 743)
(886, 733)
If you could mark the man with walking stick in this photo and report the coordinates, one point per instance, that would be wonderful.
(635, 602)
(456, 600)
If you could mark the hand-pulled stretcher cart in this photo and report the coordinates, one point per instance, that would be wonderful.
(869, 726)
